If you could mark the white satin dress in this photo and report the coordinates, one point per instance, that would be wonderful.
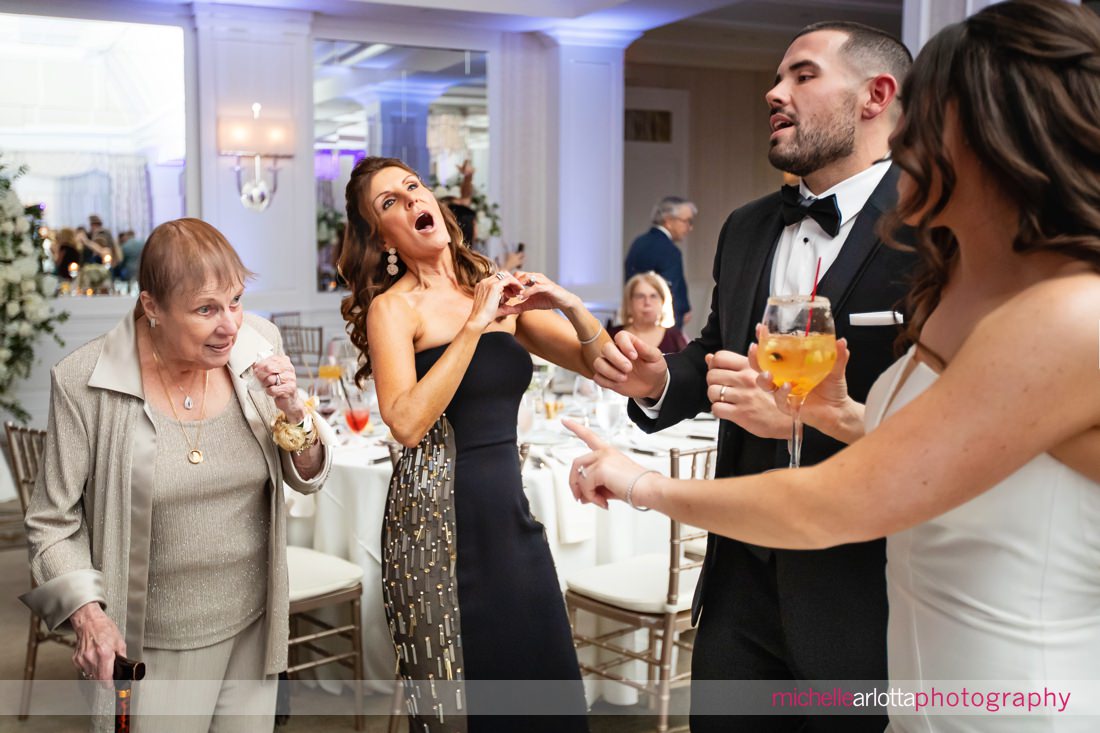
(1004, 587)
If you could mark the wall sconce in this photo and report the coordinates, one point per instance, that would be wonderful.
(244, 137)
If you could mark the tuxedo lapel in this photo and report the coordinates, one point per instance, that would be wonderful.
(751, 263)
(861, 243)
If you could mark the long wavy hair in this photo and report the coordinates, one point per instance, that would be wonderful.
(363, 258)
(1024, 77)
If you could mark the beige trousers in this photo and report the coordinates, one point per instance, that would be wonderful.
(219, 688)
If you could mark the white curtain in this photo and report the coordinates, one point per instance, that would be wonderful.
(116, 187)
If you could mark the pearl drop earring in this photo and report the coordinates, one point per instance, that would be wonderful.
(391, 268)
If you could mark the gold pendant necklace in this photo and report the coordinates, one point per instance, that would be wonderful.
(195, 454)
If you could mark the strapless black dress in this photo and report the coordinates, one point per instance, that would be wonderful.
(471, 593)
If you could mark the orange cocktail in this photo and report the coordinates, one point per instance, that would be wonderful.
(802, 360)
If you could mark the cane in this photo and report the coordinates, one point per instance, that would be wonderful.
(127, 671)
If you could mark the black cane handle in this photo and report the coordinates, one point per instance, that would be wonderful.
(128, 670)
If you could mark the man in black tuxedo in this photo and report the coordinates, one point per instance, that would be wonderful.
(766, 614)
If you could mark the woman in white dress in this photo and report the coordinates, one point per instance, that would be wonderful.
(981, 459)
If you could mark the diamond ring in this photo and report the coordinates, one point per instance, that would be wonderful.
(500, 275)
(581, 471)
(278, 379)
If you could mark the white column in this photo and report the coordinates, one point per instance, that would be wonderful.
(248, 55)
(586, 143)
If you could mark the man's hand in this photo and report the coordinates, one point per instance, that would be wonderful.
(735, 396)
(631, 367)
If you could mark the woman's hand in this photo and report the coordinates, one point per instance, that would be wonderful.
(280, 382)
(542, 293)
(97, 642)
(491, 300)
(603, 474)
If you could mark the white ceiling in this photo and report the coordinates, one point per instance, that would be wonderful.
(91, 85)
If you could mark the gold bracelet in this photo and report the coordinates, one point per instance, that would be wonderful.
(587, 341)
(292, 438)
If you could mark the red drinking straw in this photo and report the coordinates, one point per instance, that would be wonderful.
(813, 294)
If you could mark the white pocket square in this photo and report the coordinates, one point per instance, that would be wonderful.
(877, 318)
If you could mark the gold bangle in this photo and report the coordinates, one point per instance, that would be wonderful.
(292, 438)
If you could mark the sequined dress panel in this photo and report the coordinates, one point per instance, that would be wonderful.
(469, 583)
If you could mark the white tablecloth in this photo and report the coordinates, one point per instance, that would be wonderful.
(345, 519)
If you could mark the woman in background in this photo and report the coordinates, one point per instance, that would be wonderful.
(647, 313)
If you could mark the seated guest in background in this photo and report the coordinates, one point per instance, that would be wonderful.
(131, 247)
(978, 452)
(647, 313)
(157, 528)
(66, 251)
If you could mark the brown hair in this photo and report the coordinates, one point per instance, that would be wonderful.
(660, 285)
(363, 261)
(1024, 77)
(182, 256)
(67, 235)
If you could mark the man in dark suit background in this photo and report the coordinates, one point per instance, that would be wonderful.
(785, 615)
(656, 250)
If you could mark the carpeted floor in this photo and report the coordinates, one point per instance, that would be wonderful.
(54, 663)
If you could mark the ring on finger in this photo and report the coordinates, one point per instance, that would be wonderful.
(278, 379)
(722, 393)
(581, 471)
(500, 275)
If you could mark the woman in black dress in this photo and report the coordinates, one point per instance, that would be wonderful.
(471, 594)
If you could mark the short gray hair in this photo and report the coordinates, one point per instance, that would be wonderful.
(667, 206)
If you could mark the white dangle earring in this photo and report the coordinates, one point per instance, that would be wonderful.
(152, 323)
(391, 268)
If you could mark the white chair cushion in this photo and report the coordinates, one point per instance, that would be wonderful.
(638, 584)
(314, 573)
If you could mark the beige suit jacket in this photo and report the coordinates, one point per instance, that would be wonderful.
(88, 520)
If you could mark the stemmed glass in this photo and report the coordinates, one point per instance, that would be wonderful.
(797, 345)
(586, 394)
(357, 405)
(525, 416)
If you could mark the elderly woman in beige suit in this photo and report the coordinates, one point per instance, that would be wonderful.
(157, 528)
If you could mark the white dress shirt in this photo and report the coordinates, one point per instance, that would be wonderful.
(800, 244)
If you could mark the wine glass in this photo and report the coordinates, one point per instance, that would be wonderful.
(797, 345)
(357, 405)
(586, 394)
(525, 417)
(327, 388)
(611, 414)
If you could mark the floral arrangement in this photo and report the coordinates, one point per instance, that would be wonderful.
(329, 221)
(27, 289)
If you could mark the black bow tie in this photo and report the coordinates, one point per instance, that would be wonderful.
(824, 211)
